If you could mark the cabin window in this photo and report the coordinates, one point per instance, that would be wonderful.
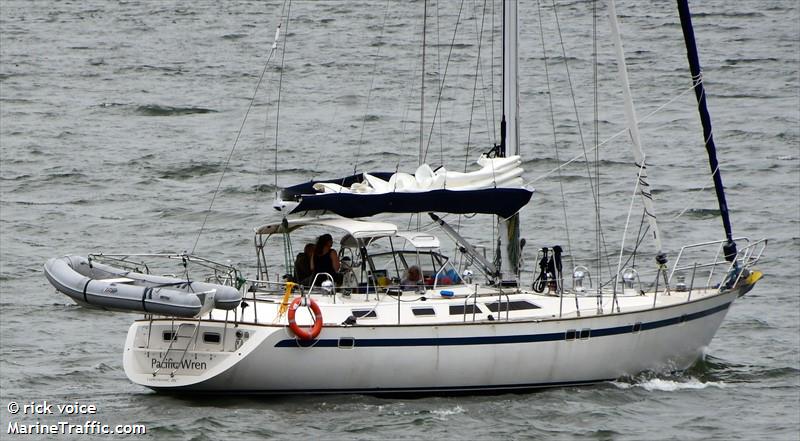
(585, 334)
(464, 309)
(637, 327)
(385, 266)
(168, 335)
(423, 311)
(428, 262)
(570, 334)
(364, 313)
(516, 305)
(683, 319)
(211, 337)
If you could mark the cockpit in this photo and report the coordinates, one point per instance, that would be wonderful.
(372, 256)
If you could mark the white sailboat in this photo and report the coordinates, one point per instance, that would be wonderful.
(464, 325)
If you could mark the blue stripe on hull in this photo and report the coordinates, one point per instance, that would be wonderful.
(499, 339)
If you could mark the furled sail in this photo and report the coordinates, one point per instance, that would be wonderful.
(495, 188)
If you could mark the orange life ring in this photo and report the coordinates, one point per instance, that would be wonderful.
(316, 328)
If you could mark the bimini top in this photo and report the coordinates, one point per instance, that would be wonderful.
(355, 228)
(496, 188)
(417, 239)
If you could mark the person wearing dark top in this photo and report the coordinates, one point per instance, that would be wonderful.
(325, 258)
(303, 271)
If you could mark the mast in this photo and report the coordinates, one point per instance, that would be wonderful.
(509, 139)
(697, 82)
(510, 79)
(633, 129)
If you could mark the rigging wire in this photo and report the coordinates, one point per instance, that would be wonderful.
(441, 84)
(239, 134)
(595, 194)
(489, 127)
(595, 122)
(555, 136)
(610, 138)
(697, 194)
(273, 49)
(628, 218)
(280, 83)
(479, 34)
(371, 84)
(640, 234)
(574, 102)
(409, 96)
(475, 83)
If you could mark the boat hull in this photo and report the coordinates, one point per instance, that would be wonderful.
(447, 358)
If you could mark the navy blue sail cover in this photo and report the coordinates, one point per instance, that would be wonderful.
(503, 202)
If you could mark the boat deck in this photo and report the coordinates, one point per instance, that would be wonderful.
(431, 307)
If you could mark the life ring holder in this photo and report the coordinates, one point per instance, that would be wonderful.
(316, 328)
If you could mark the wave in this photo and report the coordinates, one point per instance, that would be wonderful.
(662, 385)
(158, 110)
(713, 369)
(442, 414)
(702, 213)
(728, 14)
(111, 104)
(261, 188)
(192, 170)
(57, 203)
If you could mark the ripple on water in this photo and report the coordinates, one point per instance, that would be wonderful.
(161, 110)
(105, 133)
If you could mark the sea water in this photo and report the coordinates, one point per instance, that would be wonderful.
(117, 119)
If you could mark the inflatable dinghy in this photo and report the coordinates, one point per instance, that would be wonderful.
(96, 284)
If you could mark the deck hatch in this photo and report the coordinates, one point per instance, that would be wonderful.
(516, 305)
(464, 309)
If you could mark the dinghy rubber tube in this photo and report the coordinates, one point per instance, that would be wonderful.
(117, 289)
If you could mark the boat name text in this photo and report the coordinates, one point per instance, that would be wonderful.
(173, 364)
